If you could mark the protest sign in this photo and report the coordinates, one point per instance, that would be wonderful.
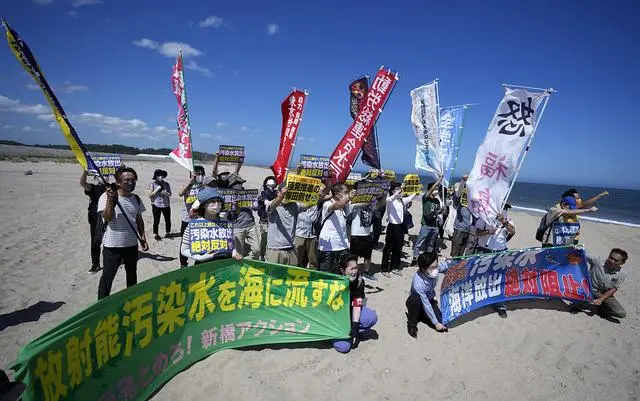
(368, 191)
(411, 184)
(314, 166)
(482, 280)
(128, 345)
(388, 175)
(192, 195)
(227, 196)
(302, 189)
(107, 163)
(235, 199)
(231, 154)
(565, 233)
(206, 236)
(352, 178)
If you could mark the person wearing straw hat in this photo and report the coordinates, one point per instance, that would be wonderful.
(159, 193)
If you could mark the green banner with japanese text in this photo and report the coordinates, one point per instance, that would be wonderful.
(126, 346)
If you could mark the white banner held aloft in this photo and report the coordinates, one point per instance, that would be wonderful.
(424, 118)
(496, 164)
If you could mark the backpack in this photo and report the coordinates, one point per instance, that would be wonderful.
(318, 223)
(544, 226)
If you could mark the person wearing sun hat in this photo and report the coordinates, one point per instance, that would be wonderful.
(211, 204)
(159, 193)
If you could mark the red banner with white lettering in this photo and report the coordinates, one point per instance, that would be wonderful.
(183, 154)
(345, 154)
(291, 108)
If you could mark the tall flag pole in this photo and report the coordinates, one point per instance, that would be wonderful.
(345, 154)
(425, 120)
(501, 154)
(291, 108)
(451, 125)
(183, 154)
(22, 52)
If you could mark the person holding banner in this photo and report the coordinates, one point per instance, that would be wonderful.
(189, 194)
(427, 240)
(159, 193)
(281, 229)
(120, 241)
(361, 234)
(362, 318)
(268, 193)
(245, 233)
(94, 192)
(333, 239)
(422, 305)
(463, 220)
(396, 205)
(565, 211)
(211, 204)
(579, 205)
(606, 279)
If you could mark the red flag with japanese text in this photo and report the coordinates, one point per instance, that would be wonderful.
(345, 154)
(292, 108)
(183, 154)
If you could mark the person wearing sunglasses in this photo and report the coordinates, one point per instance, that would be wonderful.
(606, 278)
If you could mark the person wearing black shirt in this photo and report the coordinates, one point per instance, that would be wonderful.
(94, 191)
(362, 318)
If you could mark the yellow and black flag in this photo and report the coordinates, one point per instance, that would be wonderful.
(28, 61)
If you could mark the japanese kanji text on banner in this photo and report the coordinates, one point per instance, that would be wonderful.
(183, 154)
(292, 108)
(496, 162)
(302, 189)
(450, 131)
(424, 118)
(129, 344)
(345, 154)
(482, 280)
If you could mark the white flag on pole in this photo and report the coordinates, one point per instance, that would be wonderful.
(496, 163)
(424, 118)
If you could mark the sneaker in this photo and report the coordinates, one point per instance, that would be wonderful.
(413, 331)
(386, 274)
(502, 313)
(158, 238)
(94, 269)
(397, 272)
(369, 276)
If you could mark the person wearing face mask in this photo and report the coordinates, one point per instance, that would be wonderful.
(333, 239)
(211, 204)
(189, 194)
(421, 304)
(396, 205)
(94, 192)
(267, 194)
(362, 318)
(120, 241)
(159, 192)
(245, 233)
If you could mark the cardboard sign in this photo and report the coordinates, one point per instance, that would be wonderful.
(107, 163)
(231, 154)
(368, 191)
(314, 166)
(412, 184)
(302, 189)
(210, 236)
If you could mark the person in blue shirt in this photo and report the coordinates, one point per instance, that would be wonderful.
(421, 304)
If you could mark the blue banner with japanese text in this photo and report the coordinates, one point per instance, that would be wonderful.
(207, 236)
(481, 280)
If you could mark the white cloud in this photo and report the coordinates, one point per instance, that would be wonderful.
(28, 129)
(272, 29)
(132, 128)
(46, 117)
(212, 21)
(212, 136)
(15, 106)
(168, 49)
(192, 65)
(53, 125)
(245, 129)
(42, 2)
(73, 13)
(165, 131)
(80, 3)
(206, 135)
(220, 124)
(68, 87)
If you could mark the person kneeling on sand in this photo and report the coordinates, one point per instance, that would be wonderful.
(606, 278)
(421, 304)
(211, 203)
(362, 318)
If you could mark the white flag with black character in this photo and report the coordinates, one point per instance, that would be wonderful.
(499, 157)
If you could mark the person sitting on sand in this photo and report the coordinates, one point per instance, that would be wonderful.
(421, 303)
(606, 279)
(362, 318)
(211, 203)
(159, 193)
(120, 241)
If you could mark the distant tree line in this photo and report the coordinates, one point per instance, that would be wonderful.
(119, 149)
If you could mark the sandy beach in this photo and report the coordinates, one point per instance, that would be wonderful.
(540, 352)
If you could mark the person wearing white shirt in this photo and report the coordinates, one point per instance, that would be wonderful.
(333, 240)
(492, 238)
(392, 251)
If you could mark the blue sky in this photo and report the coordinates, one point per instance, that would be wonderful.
(109, 62)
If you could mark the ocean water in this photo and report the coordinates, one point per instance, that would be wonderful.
(621, 206)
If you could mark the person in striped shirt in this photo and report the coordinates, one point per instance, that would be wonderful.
(120, 240)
